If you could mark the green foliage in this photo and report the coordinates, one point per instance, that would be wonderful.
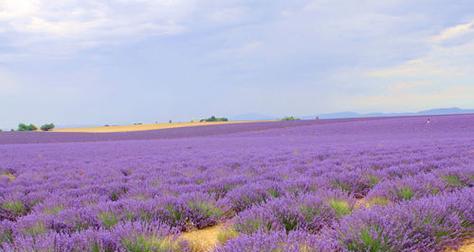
(147, 244)
(214, 119)
(35, 230)
(453, 180)
(290, 118)
(95, 247)
(108, 219)
(290, 223)
(381, 201)
(405, 193)
(207, 209)
(368, 243)
(252, 225)
(176, 215)
(373, 180)
(53, 210)
(16, 207)
(274, 193)
(341, 207)
(226, 235)
(47, 127)
(341, 185)
(26, 127)
(309, 212)
(6, 236)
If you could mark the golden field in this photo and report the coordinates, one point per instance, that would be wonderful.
(143, 127)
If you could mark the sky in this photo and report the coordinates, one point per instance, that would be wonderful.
(88, 62)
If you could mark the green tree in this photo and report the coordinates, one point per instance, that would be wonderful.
(47, 127)
(26, 127)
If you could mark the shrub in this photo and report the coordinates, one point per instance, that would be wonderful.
(276, 241)
(257, 219)
(47, 127)
(427, 224)
(26, 127)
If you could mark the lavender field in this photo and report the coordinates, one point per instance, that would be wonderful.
(392, 184)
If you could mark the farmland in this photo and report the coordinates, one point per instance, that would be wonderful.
(143, 127)
(391, 184)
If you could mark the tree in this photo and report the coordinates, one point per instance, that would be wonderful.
(215, 119)
(26, 127)
(289, 118)
(47, 127)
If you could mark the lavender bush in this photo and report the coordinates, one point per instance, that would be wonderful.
(393, 184)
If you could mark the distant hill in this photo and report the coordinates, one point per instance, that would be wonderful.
(438, 111)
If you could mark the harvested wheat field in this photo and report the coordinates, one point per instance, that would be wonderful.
(143, 127)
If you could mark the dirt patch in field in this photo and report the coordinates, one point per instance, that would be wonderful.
(143, 127)
(467, 246)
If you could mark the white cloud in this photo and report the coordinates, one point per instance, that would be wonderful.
(82, 23)
(62, 27)
(440, 77)
(454, 32)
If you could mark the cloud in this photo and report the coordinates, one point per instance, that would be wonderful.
(400, 100)
(454, 32)
(76, 24)
(441, 77)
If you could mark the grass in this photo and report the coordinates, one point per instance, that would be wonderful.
(207, 209)
(453, 180)
(251, 226)
(53, 210)
(16, 207)
(381, 201)
(373, 180)
(143, 243)
(405, 193)
(341, 207)
(367, 242)
(6, 236)
(108, 219)
(35, 230)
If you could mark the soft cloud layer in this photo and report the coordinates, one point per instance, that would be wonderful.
(94, 61)
(455, 32)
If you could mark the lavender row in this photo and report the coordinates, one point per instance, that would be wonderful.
(296, 184)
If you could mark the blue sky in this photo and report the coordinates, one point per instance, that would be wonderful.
(96, 62)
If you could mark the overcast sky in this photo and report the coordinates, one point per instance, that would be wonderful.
(96, 62)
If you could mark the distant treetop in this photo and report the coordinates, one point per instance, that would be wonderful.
(47, 127)
(215, 119)
(26, 127)
(289, 118)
